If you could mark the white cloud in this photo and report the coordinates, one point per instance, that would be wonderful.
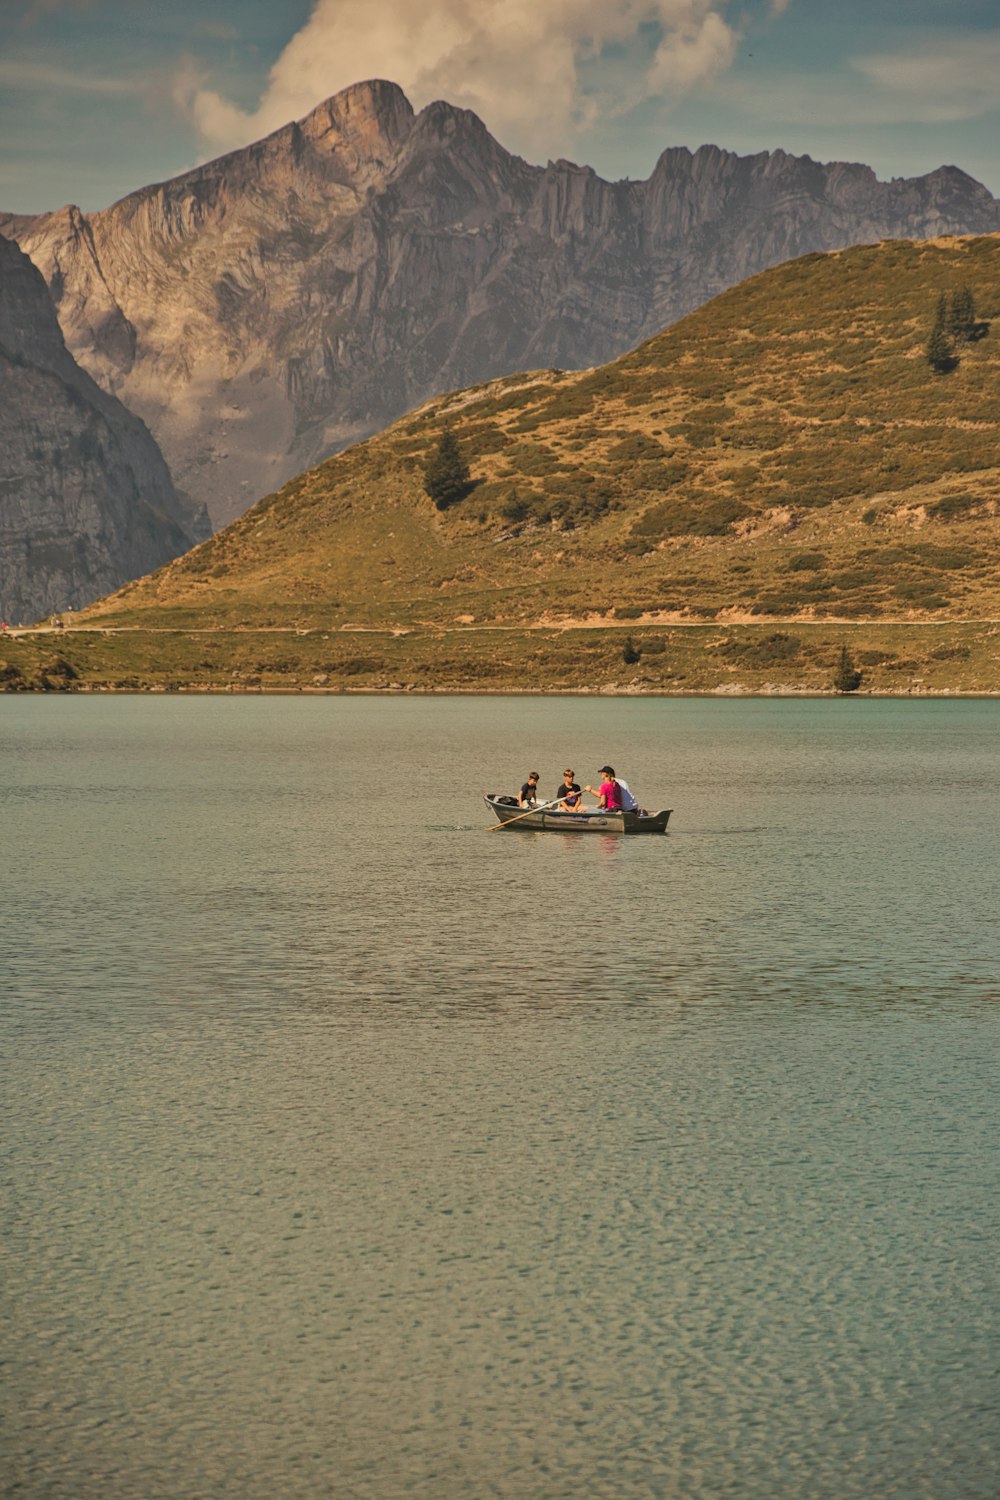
(20, 73)
(537, 71)
(944, 78)
(939, 82)
(33, 10)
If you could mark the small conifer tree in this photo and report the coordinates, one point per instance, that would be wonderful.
(630, 652)
(938, 351)
(847, 678)
(962, 315)
(446, 476)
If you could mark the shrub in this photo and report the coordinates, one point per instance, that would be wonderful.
(856, 578)
(680, 518)
(515, 506)
(593, 502)
(943, 557)
(356, 666)
(485, 439)
(762, 436)
(568, 404)
(740, 474)
(951, 653)
(782, 603)
(762, 651)
(954, 507)
(635, 447)
(922, 594)
(658, 476)
(532, 459)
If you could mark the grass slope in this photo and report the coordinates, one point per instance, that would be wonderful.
(786, 454)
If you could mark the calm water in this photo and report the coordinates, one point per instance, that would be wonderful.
(351, 1150)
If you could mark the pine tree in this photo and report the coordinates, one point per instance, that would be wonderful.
(446, 476)
(847, 678)
(962, 316)
(630, 652)
(938, 350)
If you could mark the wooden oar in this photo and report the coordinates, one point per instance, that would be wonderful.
(539, 807)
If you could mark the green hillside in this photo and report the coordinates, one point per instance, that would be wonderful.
(785, 455)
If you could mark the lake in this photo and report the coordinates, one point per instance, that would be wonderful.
(351, 1149)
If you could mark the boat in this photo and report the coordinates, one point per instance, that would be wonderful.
(547, 819)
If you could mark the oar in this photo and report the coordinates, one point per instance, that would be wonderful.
(539, 807)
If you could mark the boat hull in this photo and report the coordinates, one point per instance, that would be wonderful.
(552, 820)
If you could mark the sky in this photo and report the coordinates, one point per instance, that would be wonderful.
(101, 97)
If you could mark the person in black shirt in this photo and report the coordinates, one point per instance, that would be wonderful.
(529, 792)
(569, 793)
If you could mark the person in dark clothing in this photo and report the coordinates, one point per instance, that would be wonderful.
(529, 791)
(569, 793)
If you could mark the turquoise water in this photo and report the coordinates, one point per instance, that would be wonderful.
(353, 1150)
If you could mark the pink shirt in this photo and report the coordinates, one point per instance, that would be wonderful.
(611, 792)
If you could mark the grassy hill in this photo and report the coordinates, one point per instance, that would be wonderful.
(784, 457)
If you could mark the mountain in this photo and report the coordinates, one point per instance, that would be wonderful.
(86, 500)
(779, 471)
(269, 308)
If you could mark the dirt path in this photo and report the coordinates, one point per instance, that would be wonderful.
(431, 627)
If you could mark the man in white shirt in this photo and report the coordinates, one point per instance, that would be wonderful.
(629, 804)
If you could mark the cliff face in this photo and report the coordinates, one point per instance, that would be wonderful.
(274, 305)
(86, 500)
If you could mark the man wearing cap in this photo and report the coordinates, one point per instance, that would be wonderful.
(626, 799)
(609, 793)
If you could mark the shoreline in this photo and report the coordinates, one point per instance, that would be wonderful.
(704, 659)
(195, 690)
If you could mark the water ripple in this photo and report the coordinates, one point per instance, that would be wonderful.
(350, 1151)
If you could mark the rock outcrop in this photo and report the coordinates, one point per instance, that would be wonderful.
(270, 307)
(86, 499)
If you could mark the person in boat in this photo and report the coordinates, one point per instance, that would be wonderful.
(628, 801)
(609, 793)
(569, 795)
(629, 804)
(529, 791)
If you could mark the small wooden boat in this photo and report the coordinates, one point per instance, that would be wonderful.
(545, 819)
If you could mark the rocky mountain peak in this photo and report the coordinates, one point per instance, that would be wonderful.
(444, 122)
(364, 126)
(270, 307)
